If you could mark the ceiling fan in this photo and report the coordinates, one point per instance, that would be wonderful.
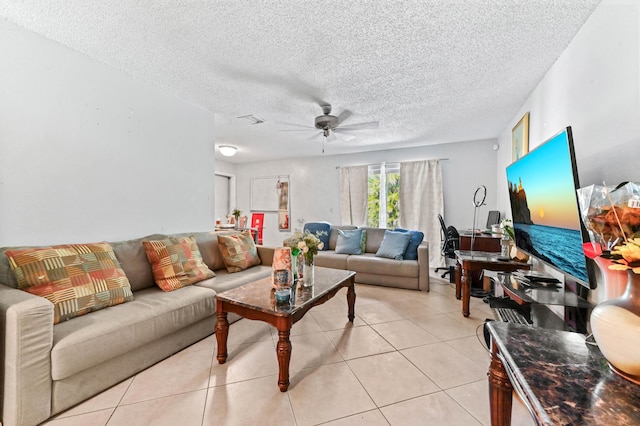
(331, 127)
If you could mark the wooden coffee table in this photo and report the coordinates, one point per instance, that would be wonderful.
(257, 301)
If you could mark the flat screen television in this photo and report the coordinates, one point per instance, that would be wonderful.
(544, 206)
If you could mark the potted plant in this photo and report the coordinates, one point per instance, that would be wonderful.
(236, 214)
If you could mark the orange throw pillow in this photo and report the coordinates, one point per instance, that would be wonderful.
(238, 251)
(76, 278)
(176, 262)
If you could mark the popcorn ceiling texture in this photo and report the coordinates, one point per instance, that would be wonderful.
(430, 71)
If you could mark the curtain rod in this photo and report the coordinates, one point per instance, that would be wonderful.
(388, 162)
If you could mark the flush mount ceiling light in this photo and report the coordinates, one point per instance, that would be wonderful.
(227, 150)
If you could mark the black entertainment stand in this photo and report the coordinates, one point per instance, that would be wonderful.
(536, 301)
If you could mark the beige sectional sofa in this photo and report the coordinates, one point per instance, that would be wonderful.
(48, 368)
(370, 269)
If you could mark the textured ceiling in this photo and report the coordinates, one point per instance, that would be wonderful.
(430, 71)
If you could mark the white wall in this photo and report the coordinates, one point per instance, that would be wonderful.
(89, 153)
(594, 87)
(314, 184)
(225, 168)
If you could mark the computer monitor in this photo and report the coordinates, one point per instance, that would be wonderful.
(493, 218)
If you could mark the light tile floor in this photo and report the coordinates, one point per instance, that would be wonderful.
(409, 358)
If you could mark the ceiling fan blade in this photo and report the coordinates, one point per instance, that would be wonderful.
(315, 135)
(344, 137)
(332, 137)
(360, 126)
(345, 114)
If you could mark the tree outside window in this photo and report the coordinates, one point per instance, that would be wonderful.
(386, 176)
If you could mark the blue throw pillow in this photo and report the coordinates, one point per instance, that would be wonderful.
(393, 245)
(412, 249)
(349, 241)
(322, 230)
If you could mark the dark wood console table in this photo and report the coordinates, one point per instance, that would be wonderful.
(482, 242)
(538, 298)
(468, 262)
(561, 379)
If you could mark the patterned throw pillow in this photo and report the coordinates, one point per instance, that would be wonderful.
(176, 262)
(238, 251)
(76, 278)
(322, 230)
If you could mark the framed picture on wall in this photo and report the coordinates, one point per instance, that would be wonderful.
(283, 204)
(520, 138)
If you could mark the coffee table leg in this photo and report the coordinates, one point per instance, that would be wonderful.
(222, 331)
(284, 356)
(466, 291)
(351, 300)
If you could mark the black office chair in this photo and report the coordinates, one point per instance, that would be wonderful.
(450, 243)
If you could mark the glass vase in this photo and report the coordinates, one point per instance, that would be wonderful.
(505, 247)
(612, 283)
(616, 324)
(308, 272)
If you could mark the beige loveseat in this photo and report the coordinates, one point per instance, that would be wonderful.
(370, 269)
(48, 368)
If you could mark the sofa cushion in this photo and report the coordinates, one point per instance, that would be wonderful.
(238, 251)
(93, 339)
(176, 262)
(333, 236)
(76, 278)
(208, 246)
(330, 259)
(134, 262)
(374, 239)
(322, 230)
(371, 264)
(225, 281)
(411, 253)
(7, 277)
(349, 241)
(393, 245)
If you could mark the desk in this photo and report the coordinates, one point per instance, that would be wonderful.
(467, 262)
(483, 242)
(561, 379)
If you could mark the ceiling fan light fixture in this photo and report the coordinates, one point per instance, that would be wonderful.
(227, 150)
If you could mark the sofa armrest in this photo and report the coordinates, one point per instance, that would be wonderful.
(266, 255)
(26, 323)
(423, 265)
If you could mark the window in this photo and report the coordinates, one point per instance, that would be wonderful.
(387, 177)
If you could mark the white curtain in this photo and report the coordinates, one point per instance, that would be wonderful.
(353, 195)
(421, 201)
